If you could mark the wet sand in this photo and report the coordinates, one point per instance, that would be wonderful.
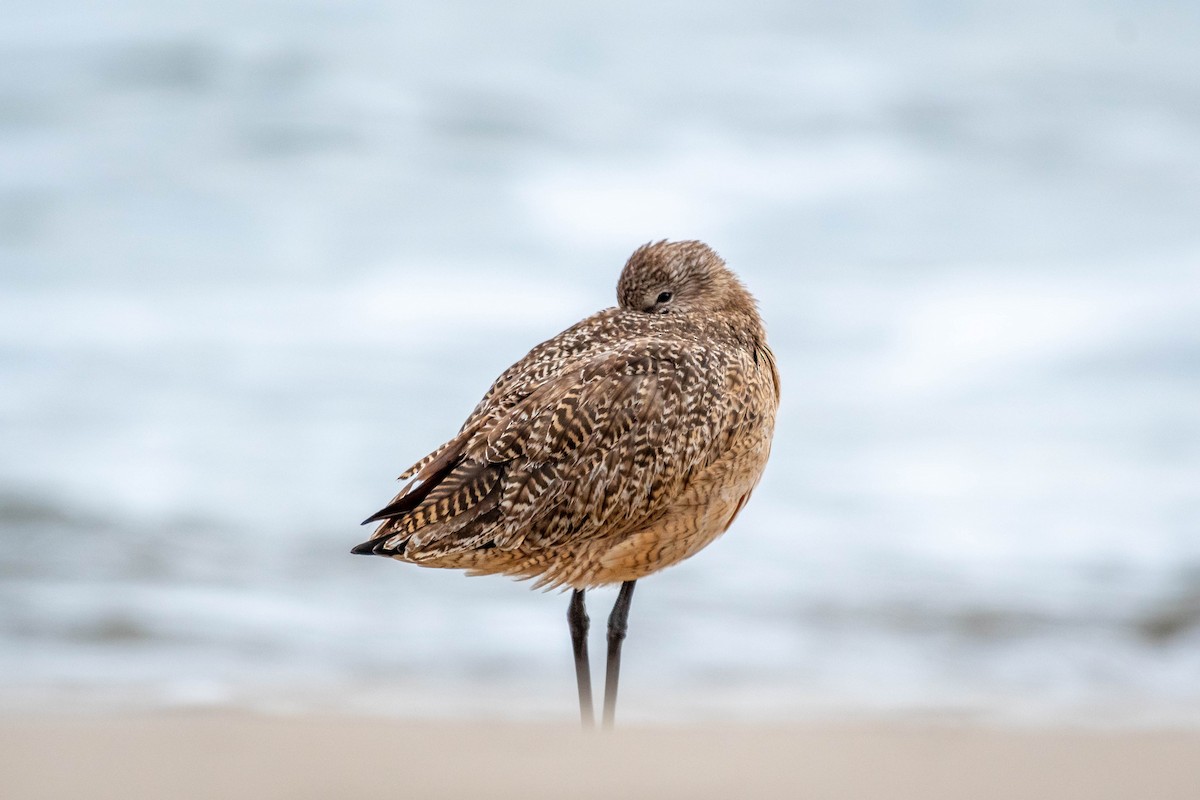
(234, 755)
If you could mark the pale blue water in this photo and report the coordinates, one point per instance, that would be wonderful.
(256, 258)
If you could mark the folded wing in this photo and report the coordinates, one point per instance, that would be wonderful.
(600, 448)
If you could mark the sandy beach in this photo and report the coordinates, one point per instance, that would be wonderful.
(231, 755)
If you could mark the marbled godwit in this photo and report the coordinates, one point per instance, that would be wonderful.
(621, 446)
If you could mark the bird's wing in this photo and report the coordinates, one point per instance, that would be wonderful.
(600, 448)
(549, 358)
(608, 445)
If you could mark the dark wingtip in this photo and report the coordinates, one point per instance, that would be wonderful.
(399, 508)
(365, 549)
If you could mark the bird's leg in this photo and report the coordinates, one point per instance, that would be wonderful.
(577, 619)
(617, 624)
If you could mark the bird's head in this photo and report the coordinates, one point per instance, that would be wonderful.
(680, 278)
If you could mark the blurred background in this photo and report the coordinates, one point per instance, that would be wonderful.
(258, 257)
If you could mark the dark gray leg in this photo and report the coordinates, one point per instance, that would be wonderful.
(577, 619)
(617, 624)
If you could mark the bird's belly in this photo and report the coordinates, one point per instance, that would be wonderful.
(703, 510)
(703, 513)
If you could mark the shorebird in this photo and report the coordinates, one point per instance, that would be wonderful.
(621, 446)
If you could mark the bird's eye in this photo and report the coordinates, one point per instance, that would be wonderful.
(664, 297)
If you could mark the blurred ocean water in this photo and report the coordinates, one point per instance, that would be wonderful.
(256, 258)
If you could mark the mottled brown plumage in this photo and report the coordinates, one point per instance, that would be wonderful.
(621, 446)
